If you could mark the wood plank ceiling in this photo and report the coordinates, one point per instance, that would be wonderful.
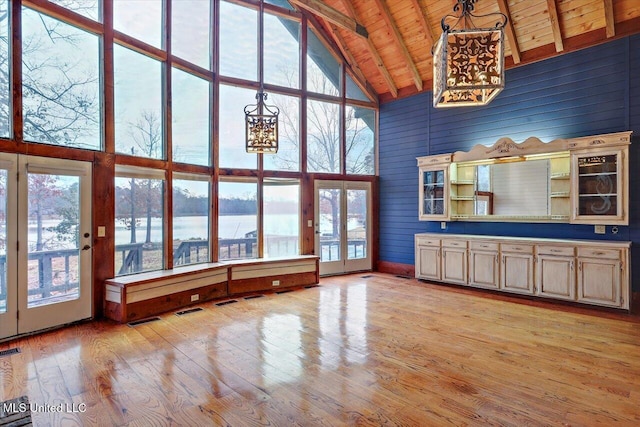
(388, 42)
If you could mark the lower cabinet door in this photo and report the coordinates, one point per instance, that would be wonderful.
(599, 281)
(517, 273)
(483, 269)
(556, 277)
(454, 265)
(428, 262)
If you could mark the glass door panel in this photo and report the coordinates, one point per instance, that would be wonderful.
(342, 226)
(54, 250)
(8, 216)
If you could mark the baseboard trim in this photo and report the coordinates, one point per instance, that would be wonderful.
(396, 268)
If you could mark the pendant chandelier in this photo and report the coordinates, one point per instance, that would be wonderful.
(261, 126)
(468, 63)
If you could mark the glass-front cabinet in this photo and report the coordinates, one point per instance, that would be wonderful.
(598, 186)
(434, 188)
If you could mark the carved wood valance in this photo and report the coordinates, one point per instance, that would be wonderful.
(507, 147)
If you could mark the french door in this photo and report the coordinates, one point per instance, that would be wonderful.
(342, 226)
(45, 243)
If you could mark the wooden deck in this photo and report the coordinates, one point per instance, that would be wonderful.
(366, 349)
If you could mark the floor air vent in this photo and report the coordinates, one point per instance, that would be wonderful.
(231, 301)
(191, 310)
(284, 291)
(253, 296)
(311, 286)
(400, 276)
(143, 321)
(9, 352)
(15, 412)
(366, 277)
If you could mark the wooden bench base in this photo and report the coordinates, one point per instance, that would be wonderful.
(134, 297)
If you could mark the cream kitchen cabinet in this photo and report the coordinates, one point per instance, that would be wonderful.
(454, 261)
(484, 267)
(592, 272)
(516, 272)
(556, 277)
(600, 274)
(428, 259)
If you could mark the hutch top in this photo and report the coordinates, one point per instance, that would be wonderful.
(579, 181)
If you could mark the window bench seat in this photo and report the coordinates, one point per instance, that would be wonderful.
(137, 296)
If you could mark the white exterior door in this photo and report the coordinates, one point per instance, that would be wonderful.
(342, 226)
(47, 243)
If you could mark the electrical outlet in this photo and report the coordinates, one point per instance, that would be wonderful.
(443, 225)
(195, 297)
(275, 283)
(600, 229)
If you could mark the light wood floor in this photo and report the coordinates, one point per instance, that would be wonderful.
(357, 350)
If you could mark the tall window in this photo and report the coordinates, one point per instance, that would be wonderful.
(288, 155)
(191, 115)
(323, 136)
(61, 83)
(138, 104)
(139, 212)
(191, 207)
(231, 136)
(281, 51)
(141, 19)
(323, 71)
(281, 210)
(359, 140)
(238, 41)
(5, 77)
(88, 8)
(238, 219)
(190, 31)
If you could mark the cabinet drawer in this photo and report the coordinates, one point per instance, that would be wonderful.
(599, 253)
(484, 246)
(556, 250)
(454, 243)
(522, 249)
(426, 241)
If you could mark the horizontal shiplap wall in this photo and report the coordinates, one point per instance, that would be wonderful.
(634, 159)
(587, 92)
(404, 135)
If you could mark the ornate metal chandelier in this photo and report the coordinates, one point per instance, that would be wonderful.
(468, 63)
(261, 126)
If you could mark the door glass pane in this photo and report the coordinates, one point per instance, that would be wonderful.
(238, 220)
(329, 227)
(53, 238)
(597, 185)
(3, 241)
(356, 224)
(281, 207)
(190, 221)
(139, 225)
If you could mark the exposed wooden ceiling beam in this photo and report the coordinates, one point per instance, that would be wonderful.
(609, 18)
(397, 38)
(375, 56)
(511, 33)
(423, 20)
(335, 16)
(361, 80)
(555, 25)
